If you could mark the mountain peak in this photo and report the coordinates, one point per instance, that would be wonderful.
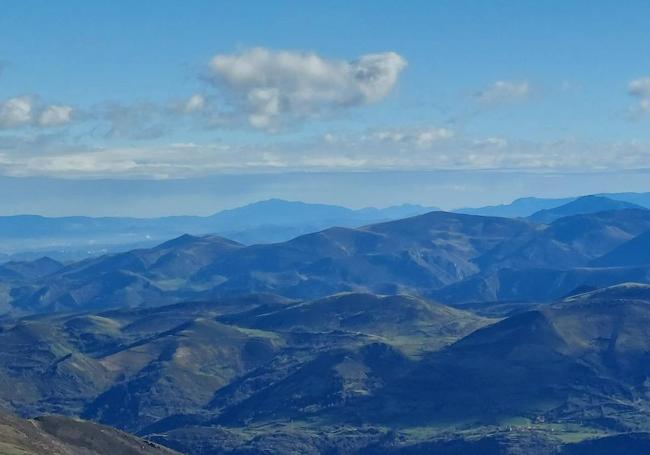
(581, 206)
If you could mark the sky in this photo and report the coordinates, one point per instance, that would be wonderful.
(165, 107)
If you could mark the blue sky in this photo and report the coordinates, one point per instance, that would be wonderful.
(195, 90)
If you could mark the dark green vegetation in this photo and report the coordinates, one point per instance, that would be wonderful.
(156, 371)
(54, 435)
(351, 373)
(333, 342)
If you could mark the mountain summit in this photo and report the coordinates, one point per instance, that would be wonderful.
(581, 206)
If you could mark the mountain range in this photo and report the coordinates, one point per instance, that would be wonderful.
(436, 333)
(28, 237)
(454, 258)
(273, 220)
(527, 206)
(581, 206)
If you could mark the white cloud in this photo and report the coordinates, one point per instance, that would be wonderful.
(408, 149)
(496, 142)
(428, 137)
(55, 115)
(194, 103)
(265, 105)
(640, 89)
(504, 92)
(270, 85)
(138, 121)
(26, 111)
(422, 137)
(15, 112)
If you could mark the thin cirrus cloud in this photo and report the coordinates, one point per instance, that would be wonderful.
(406, 148)
(55, 115)
(21, 111)
(420, 137)
(640, 90)
(271, 87)
(501, 92)
(194, 103)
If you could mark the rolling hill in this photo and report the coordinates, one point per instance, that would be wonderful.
(579, 361)
(131, 368)
(349, 373)
(452, 257)
(62, 436)
(635, 252)
(411, 324)
(414, 255)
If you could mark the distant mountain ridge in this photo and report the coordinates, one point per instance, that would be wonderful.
(519, 208)
(269, 221)
(581, 206)
(27, 237)
(454, 258)
(414, 255)
(527, 206)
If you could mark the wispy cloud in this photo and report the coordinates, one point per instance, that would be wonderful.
(640, 90)
(504, 92)
(263, 89)
(406, 148)
(194, 103)
(138, 121)
(16, 112)
(259, 88)
(271, 87)
(55, 115)
(22, 111)
(420, 137)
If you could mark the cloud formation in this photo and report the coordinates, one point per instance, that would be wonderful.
(640, 89)
(138, 121)
(21, 111)
(408, 148)
(15, 112)
(194, 103)
(271, 86)
(267, 89)
(420, 137)
(55, 115)
(504, 92)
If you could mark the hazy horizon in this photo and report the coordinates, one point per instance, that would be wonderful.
(189, 108)
(448, 190)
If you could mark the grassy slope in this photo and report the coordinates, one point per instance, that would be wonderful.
(62, 436)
